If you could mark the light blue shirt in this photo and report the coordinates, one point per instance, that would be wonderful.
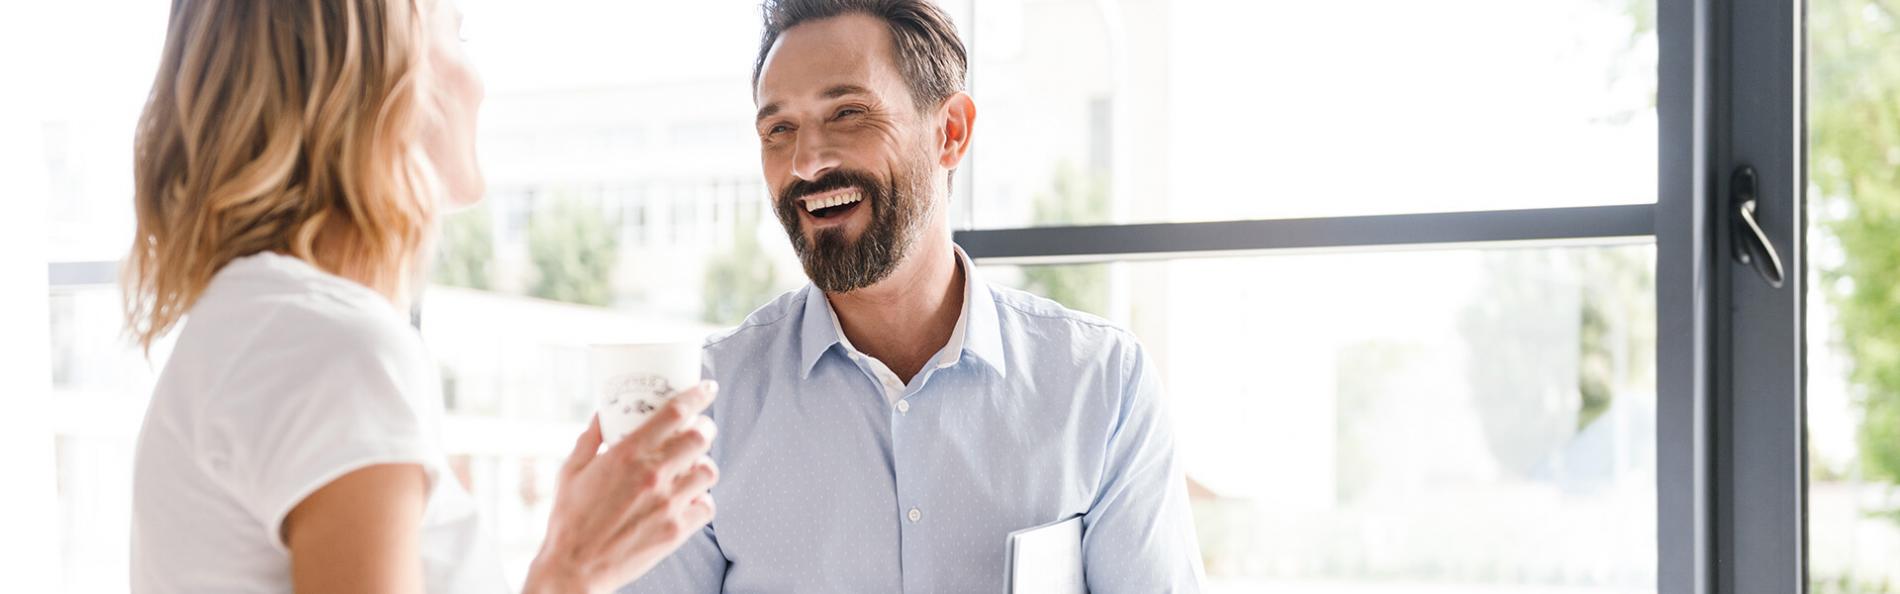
(1032, 413)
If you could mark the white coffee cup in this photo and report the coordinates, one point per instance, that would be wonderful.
(631, 381)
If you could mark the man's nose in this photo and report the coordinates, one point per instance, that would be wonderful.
(813, 157)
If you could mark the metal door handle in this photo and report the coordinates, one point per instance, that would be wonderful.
(1751, 244)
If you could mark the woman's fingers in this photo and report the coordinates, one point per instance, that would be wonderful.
(699, 512)
(697, 479)
(680, 410)
(648, 495)
(679, 450)
(585, 447)
(660, 529)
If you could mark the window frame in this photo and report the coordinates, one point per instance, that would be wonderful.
(1757, 338)
(1731, 474)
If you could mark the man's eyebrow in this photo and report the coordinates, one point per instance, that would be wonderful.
(837, 91)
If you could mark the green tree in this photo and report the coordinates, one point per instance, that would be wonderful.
(1617, 331)
(1074, 197)
(1554, 336)
(465, 254)
(738, 279)
(574, 249)
(1854, 143)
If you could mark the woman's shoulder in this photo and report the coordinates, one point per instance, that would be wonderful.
(274, 315)
(282, 297)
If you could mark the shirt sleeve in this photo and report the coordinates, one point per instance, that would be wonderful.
(1138, 536)
(290, 420)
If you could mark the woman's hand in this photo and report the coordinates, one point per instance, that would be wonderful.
(618, 513)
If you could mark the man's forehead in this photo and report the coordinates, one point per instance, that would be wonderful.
(816, 57)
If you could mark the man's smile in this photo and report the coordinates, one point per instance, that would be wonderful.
(833, 208)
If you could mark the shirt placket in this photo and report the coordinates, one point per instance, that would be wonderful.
(915, 522)
(908, 471)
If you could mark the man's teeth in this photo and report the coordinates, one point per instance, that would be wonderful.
(813, 205)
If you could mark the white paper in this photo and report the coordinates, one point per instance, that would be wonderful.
(1046, 559)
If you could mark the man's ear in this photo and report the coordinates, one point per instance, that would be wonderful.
(957, 120)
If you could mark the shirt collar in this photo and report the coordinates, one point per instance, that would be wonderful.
(977, 333)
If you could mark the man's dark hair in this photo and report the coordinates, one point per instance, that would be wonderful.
(929, 53)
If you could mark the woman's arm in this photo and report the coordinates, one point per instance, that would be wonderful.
(616, 513)
(360, 533)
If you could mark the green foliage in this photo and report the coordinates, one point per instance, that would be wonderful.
(738, 279)
(1854, 132)
(1848, 585)
(574, 249)
(1074, 197)
(1554, 336)
(465, 254)
(1617, 332)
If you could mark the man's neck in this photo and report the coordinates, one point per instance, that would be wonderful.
(905, 319)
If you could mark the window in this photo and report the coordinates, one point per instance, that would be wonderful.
(65, 128)
(1444, 294)
(1197, 110)
(1394, 421)
(1411, 427)
(671, 249)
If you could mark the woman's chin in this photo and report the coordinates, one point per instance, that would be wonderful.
(463, 193)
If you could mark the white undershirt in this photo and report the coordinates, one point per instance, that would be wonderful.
(283, 379)
(952, 352)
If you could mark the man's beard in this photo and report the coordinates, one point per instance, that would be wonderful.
(835, 263)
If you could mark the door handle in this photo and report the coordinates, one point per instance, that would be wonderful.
(1751, 245)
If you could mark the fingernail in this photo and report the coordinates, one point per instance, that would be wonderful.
(712, 386)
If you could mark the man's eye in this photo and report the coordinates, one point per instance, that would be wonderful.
(849, 111)
(778, 128)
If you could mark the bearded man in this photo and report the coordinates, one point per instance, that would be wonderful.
(886, 427)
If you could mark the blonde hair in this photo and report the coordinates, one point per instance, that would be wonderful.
(287, 126)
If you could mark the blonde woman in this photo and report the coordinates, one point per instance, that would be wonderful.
(290, 165)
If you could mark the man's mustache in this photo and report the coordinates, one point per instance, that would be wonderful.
(835, 180)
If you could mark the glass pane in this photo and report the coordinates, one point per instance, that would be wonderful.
(1853, 327)
(1190, 110)
(73, 135)
(94, 80)
(625, 204)
(1456, 421)
(100, 383)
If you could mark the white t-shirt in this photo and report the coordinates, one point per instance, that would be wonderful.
(283, 379)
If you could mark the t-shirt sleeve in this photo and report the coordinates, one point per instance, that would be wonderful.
(289, 421)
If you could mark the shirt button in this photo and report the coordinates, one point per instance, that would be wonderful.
(903, 406)
(915, 515)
